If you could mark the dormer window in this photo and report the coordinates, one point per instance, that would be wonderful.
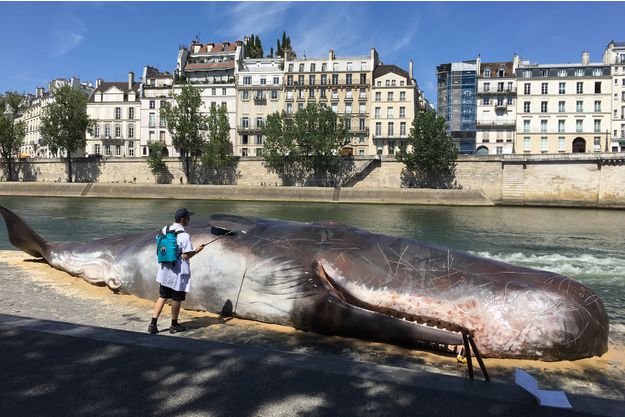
(501, 72)
(487, 73)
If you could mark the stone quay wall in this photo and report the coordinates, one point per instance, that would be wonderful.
(577, 180)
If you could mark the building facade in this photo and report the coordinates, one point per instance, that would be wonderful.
(395, 100)
(115, 108)
(614, 55)
(341, 83)
(456, 94)
(34, 109)
(156, 89)
(212, 68)
(563, 108)
(259, 85)
(496, 107)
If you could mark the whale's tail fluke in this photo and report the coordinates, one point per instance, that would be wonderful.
(22, 236)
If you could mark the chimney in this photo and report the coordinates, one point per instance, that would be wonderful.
(410, 70)
(515, 63)
(374, 59)
(585, 57)
(331, 54)
(131, 79)
(98, 82)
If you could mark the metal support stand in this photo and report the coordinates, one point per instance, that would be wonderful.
(469, 344)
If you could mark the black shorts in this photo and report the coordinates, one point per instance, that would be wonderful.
(167, 292)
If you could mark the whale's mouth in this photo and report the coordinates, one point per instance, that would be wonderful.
(429, 330)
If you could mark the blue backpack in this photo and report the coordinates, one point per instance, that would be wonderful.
(167, 250)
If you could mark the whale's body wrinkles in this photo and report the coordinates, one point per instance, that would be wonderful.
(331, 278)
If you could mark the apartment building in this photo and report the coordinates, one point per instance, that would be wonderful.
(496, 107)
(614, 55)
(212, 68)
(457, 102)
(34, 110)
(563, 108)
(115, 108)
(395, 100)
(156, 88)
(259, 84)
(341, 83)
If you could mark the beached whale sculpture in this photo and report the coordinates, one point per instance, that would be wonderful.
(331, 278)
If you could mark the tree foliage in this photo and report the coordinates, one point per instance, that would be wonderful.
(431, 161)
(284, 47)
(218, 160)
(156, 163)
(64, 124)
(253, 47)
(305, 146)
(12, 133)
(186, 124)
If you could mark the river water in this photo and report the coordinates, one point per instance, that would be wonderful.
(584, 244)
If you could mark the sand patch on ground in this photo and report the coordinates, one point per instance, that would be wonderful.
(601, 376)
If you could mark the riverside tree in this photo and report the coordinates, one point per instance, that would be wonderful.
(187, 126)
(64, 124)
(217, 156)
(12, 133)
(155, 161)
(431, 161)
(305, 146)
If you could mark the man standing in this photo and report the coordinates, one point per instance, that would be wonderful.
(175, 277)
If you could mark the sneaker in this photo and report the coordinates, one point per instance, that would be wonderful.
(152, 329)
(175, 328)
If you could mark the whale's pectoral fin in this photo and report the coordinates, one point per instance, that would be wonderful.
(22, 236)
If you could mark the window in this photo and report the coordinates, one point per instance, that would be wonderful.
(499, 87)
(389, 96)
(324, 66)
(131, 148)
(118, 131)
(131, 131)
(499, 101)
(245, 95)
(486, 87)
(509, 86)
(597, 144)
(560, 126)
(248, 80)
(363, 93)
(152, 104)
(224, 91)
(487, 73)
(161, 136)
(152, 120)
(348, 94)
(527, 88)
(597, 87)
(362, 108)
(526, 107)
(509, 100)
(348, 109)
(131, 113)
(363, 78)
(597, 126)
(597, 106)
(301, 67)
(402, 129)
(561, 106)
(244, 140)
(579, 124)
(378, 128)
(391, 129)
(526, 126)
(378, 96)
(300, 79)
(107, 150)
(580, 87)
(96, 149)
(543, 107)
(259, 122)
(259, 151)
(118, 113)
(335, 78)
(544, 88)
(311, 80)
(245, 122)
(289, 108)
(402, 96)
(526, 144)
(151, 136)
(335, 108)
(335, 93)
(579, 106)
(313, 67)
(162, 123)
(244, 152)
(561, 88)
(377, 114)
(214, 91)
(486, 101)
(311, 92)
(96, 131)
(361, 125)
(543, 144)
(322, 92)
(348, 123)
(389, 113)
(263, 81)
(276, 80)
(543, 126)
(274, 94)
(348, 79)
(289, 80)
(324, 79)
(259, 139)
(402, 112)
(561, 144)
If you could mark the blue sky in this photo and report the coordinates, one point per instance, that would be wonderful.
(42, 41)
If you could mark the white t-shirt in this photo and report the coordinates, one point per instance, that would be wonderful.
(177, 275)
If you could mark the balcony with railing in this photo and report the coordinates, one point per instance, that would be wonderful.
(497, 91)
(496, 123)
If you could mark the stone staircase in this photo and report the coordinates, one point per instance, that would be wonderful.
(512, 187)
(362, 172)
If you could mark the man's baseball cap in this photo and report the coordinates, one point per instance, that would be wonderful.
(182, 212)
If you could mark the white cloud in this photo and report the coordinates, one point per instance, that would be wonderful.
(251, 17)
(65, 41)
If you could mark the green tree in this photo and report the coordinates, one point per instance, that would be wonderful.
(186, 125)
(156, 163)
(12, 133)
(305, 145)
(218, 156)
(253, 47)
(64, 124)
(431, 161)
(284, 46)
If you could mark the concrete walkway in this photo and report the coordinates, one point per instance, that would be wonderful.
(57, 368)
